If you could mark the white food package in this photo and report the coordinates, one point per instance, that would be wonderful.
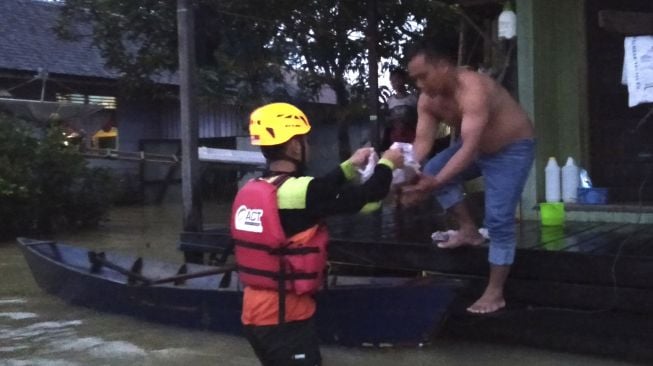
(411, 167)
(367, 172)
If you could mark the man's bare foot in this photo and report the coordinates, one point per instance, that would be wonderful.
(489, 302)
(461, 238)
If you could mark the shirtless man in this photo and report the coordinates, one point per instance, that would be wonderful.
(496, 140)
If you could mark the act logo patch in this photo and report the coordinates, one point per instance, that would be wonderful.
(249, 219)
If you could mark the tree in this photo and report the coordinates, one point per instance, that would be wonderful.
(136, 38)
(326, 41)
(245, 44)
(139, 39)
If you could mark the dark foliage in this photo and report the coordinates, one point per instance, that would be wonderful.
(44, 184)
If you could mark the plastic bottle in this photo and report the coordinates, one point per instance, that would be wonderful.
(507, 25)
(570, 181)
(552, 181)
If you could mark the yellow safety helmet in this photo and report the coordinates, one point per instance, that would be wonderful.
(276, 123)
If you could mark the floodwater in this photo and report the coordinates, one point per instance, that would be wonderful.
(40, 329)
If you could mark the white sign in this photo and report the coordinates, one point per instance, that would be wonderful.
(249, 219)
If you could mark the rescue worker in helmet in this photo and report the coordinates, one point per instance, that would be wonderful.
(280, 239)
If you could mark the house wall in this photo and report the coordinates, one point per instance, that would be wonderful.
(215, 120)
(21, 87)
(154, 127)
(137, 120)
(553, 84)
(621, 158)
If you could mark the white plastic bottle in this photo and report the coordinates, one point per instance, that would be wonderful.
(507, 24)
(552, 181)
(570, 181)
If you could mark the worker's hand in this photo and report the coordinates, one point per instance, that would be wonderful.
(359, 158)
(395, 156)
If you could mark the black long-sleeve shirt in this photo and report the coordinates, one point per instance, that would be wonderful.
(305, 201)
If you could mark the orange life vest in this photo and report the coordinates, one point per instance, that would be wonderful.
(265, 257)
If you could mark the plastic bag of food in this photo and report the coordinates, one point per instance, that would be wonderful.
(368, 170)
(411, 167)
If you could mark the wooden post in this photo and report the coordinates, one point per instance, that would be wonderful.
(192, 203)
(373, 76)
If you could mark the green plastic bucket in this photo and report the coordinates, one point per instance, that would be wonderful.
(552, 214)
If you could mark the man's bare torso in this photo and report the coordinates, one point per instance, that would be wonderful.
(507, 122)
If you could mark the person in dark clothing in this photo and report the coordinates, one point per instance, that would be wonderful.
(278, 320)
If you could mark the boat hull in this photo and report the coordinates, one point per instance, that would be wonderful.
(352, 311)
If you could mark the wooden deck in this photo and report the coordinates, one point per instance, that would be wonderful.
(581, 287)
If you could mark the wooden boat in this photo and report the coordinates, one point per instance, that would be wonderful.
(352, 311)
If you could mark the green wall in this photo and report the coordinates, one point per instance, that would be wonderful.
(551, 53)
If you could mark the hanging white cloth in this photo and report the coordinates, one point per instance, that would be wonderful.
(638, 69)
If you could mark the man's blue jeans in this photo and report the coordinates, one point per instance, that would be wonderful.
(505, 174)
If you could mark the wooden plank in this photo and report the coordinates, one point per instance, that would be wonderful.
(528, 226)
(417, 230)
(598, 245)
(635, 242)
(626, 22)
(577, 266)
(416, 256)
(413, 250)
(582, 268)
(567, 239)
(541, 265)
(579, 296)
(548, 237)
(416, 227)
(528, 232)
(587, 298)
(138, 156)
(615, 334)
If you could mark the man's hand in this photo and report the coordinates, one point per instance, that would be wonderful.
(412, 194)
(395, 156)
(359, 158)
(425, 183)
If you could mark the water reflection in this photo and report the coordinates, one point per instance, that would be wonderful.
(39, 329)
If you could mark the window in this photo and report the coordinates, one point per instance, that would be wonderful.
(107, 102)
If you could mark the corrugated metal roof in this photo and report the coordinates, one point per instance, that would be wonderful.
(28, 42)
